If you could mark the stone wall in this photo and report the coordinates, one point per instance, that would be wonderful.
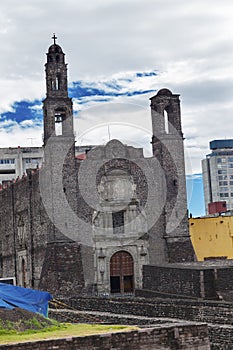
(24, 230)
(218, 315)
(189, 281)
(220, 335)
(62, 271)
(172, 280)
(156, 338)
(193, 310)
(26, 250)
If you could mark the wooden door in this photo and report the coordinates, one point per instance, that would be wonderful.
(122, 273)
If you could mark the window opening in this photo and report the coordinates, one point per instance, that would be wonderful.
(166, 122)
(118, 222)
(58, 82)
(59, 117)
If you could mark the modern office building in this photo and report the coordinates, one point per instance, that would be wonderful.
(217, 170)
(14, 161)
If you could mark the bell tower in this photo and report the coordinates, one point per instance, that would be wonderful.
(58, 174)
(57, 108)
(168, 148)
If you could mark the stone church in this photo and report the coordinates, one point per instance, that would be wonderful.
(89, 226)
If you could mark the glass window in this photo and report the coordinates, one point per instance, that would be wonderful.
(221, 160)
(7, 161)
(224, 189)
(222, 171)
(223, 183)
(118, 221)
(32, 160)
(224, 195)
(222, 177)
(222, 166)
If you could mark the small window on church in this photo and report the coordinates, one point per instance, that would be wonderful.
(58, 82)
(118, 222)
(166, 122)
(57, 58)
(59, 117)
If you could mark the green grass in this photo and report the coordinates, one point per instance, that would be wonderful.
(7, 326)
(59, 330)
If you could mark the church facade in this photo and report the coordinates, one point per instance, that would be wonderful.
(89, 226)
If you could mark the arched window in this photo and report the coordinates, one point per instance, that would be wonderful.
(58, 82)
(60, 116)
(166, 121)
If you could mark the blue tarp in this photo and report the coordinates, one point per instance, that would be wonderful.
(3, 304)
(25, 298)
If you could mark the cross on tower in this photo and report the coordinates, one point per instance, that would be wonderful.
(54, 38)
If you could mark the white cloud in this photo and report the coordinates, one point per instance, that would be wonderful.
(14, 135)
(189, 43)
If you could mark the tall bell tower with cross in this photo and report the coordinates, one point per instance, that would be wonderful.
(59, 173)
(57, 108)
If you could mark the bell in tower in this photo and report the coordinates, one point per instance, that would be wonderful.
(58, 110)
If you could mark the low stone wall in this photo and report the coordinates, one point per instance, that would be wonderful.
(221, 337)
(192, 310)
(197, 280)
(218, 315)
(182, 336)
(93, 317)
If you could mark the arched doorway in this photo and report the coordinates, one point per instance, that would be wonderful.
(122, 273)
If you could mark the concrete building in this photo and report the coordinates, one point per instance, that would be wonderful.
(217, 170)
(212, 236)
(88, 224)
(15, 161)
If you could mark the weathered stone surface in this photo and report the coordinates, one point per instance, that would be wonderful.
(183, 337)
(62, 225)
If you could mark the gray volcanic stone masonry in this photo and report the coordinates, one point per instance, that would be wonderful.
(89, 226)
(172, 337)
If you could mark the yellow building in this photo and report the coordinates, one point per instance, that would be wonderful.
(212, 237)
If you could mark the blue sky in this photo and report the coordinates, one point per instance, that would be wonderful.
(195, 195)
(28, 114)
(118, 56)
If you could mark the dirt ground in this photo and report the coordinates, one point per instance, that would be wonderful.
(22, 320)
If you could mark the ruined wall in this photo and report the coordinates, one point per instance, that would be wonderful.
(218, 315)
(207, 282)
(157, 338)
(23, 231)
(62, 272)
(26, 231)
